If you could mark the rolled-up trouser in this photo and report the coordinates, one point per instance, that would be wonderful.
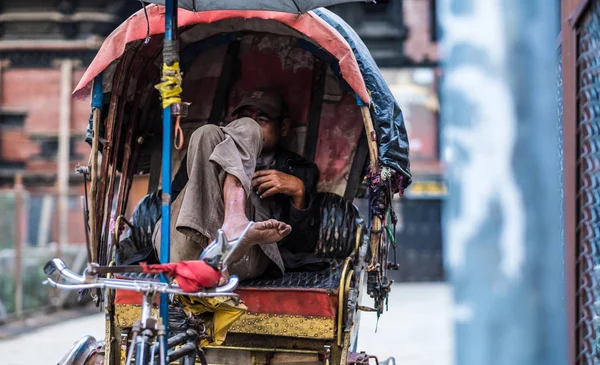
(199, 210)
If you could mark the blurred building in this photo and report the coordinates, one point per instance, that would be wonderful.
(36, 36)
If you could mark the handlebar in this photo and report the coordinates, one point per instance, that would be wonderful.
(93, 281)
(59, 265)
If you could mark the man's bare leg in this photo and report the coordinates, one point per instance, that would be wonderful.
(235, 220)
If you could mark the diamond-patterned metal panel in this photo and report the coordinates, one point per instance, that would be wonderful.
(588, 181)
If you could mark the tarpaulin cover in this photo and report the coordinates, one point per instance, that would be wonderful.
(388, 120)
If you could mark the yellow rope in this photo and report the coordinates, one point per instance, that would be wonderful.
(170, 87)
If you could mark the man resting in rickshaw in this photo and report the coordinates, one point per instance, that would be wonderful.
(237, 172)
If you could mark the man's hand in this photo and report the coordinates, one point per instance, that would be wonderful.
(270, 182)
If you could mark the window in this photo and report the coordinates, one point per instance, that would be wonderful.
(11, 119)
(49, 148)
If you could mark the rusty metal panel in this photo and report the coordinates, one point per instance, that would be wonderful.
(588, 184)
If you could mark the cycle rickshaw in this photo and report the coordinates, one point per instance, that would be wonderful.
(345, 120)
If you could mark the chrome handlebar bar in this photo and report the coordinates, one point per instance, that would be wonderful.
(219, 252)
(93, 281)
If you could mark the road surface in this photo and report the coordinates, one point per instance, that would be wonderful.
(416, 331)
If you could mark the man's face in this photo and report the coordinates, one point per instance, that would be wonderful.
(272, 129)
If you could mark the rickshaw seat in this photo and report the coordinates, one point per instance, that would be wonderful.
(299, 304)
(305, 304)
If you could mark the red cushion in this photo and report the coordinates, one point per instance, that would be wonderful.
(307, 302)
(132, 297)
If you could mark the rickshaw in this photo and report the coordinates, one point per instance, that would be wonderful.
(345, 120)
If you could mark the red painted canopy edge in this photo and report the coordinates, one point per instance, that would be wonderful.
(309, 24)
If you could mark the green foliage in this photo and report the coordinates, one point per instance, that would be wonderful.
(7, 291)
(7, 222)
(35, 294)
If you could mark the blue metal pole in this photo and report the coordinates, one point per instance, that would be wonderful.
(502, 217)
(170, 35)
(97, 95)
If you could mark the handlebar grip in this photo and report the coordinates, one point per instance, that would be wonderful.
(57, 264)
(49, 268)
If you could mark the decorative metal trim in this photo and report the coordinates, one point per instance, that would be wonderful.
(359, 241)
(342, 295)
(322, 328)
(127, 314)
(263, 349)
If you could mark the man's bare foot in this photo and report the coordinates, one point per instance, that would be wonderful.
(269, 231)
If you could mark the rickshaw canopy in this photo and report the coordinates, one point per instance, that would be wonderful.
(309, 26)
(322, 33)
(286, 6)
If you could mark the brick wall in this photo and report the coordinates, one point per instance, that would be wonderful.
(36, 93)
(16, 137)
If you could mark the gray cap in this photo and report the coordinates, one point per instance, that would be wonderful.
(269, 102)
